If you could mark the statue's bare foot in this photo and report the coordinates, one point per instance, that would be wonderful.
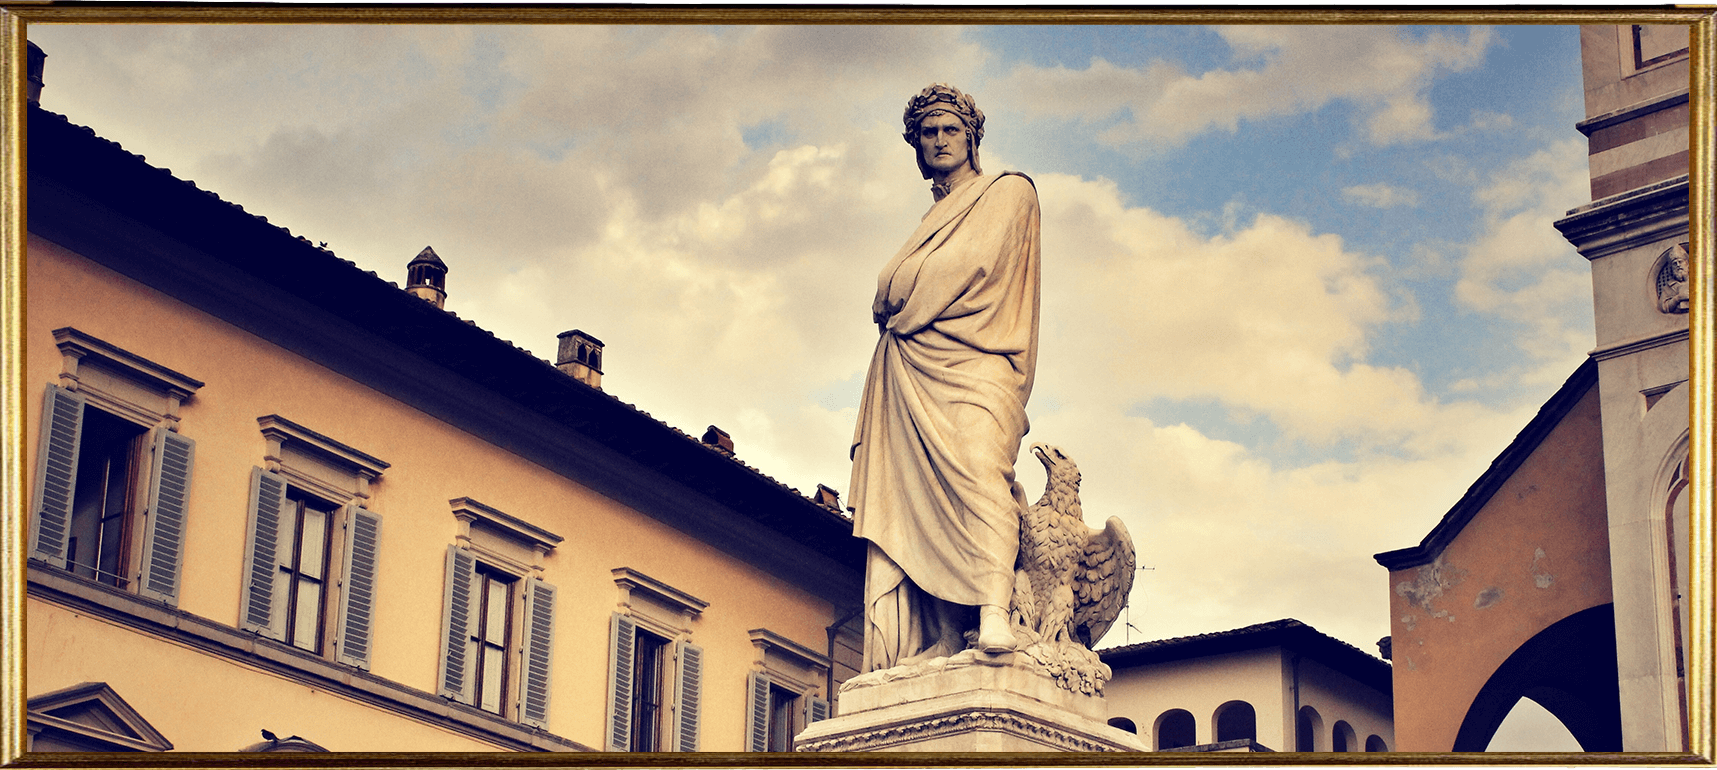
(994, 636)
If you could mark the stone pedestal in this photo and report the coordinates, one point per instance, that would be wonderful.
(967, 703)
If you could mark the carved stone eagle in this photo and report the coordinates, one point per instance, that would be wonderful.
(1070, 581)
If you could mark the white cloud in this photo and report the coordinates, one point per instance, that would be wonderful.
(599, 178)
(1279, 71)
(1520, 269)
(1380, 195)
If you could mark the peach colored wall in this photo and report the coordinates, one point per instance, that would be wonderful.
(431, 463)
(160, 679)
(1537, 552)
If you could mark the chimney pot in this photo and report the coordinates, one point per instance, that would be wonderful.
(426, 277)
(828, 498)
(1383, 646)
(719, 439)
(580, 357)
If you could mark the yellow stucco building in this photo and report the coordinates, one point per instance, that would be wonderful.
(274, 492)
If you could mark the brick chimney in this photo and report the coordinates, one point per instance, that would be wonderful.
(580, 357)
(718, 439)
(426, 277)
(828, 498)
(37, 58)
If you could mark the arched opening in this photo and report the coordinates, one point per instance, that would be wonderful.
(1308, 727)
(1124, 724)
(1374, 743)
(1569, 668)
(1236, 720)
(1342, 738)
(1176, 728)
(1531, 727)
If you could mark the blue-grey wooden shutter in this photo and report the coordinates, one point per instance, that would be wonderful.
(816, 709)
(688, 695)
(358, 587)
(537, 653)
(757, 718)
(164, 529)
(456, 619)
(622, 644)
(56, 475)
(261, 610)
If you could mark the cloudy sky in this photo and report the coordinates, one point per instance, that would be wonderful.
(1299, 283)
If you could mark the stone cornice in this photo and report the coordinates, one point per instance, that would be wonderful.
(994, 720)
(1625, 347)
(1620, 222)
(1614, 117)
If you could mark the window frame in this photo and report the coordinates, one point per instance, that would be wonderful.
(649, 606)
(509, 550)
(781, 665)
(133, 391)
(312, 468)
(294, 577)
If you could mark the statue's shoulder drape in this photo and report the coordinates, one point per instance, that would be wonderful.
(943, 410)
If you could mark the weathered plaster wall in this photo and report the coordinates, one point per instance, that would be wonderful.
(432, 462)
(1536, 552)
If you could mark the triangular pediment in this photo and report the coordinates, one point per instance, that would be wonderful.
(95, 712)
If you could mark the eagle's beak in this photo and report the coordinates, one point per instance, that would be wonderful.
(1042, 454)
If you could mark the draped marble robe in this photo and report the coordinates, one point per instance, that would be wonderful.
(943, 413)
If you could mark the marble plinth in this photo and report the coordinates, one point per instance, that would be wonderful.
(967, 703)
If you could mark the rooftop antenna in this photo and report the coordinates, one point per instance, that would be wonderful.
(1130, 627)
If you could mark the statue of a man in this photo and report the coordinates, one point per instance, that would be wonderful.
(943, 410)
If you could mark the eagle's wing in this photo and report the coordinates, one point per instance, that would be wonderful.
(1103, 579)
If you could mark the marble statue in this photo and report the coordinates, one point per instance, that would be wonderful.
(943, 411)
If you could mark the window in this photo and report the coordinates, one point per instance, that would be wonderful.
(491, 635)
(113, 474)
(1342, 738)
(655, 675)
(304, 570)
(1236, 720)
(647, 695)
(785, 693)
(312, 544)
(1175, 729)
(497, 615)
(1307, 726)
(105, 497)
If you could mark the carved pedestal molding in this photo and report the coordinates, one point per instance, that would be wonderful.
(968, 703)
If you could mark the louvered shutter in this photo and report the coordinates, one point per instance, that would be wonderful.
(56, 475)
(688, 695)
(164, 529)
(757, 721)
(456, 620)
(358, 587)
(537, 652)
(261, 611)
(622, 644)
(816, 709)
